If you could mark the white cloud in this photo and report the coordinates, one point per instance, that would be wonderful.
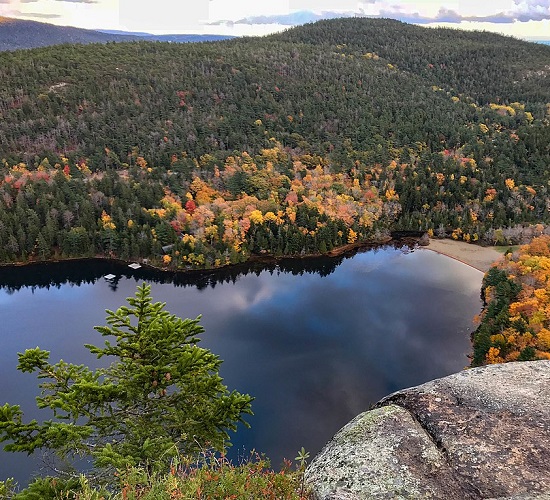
(164, 15)
(237, 17)
(453, 12)
(323, 5)
(293, 19)
(73, 1)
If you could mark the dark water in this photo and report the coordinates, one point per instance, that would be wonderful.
(316, 342)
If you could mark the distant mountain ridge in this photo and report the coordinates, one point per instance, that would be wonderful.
(174, 37)
(21, 34)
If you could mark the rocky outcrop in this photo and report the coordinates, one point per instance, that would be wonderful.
(481, 433)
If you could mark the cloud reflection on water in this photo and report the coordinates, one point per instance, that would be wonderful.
(314, 349)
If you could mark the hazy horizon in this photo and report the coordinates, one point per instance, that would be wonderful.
(520, 18)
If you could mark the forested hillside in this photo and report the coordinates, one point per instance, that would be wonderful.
(22, 34)
(515, 323)
(325, 135)
(485, 66)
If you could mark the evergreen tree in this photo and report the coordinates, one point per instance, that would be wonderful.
(160, 397)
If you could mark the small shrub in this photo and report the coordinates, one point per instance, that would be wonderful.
(217, 478)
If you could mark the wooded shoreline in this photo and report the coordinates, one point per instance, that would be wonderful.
(475, 256)
(405, 238)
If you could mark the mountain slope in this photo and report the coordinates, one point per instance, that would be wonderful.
(20, 34)
(358, 125)
(483, 65)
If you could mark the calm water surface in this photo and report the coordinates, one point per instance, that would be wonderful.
(316, 342)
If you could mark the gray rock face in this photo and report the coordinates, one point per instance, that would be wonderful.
(482, 433)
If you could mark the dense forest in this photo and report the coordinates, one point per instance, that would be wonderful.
(326, 135)
(515, 323)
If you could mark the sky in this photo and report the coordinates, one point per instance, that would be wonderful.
(520, 18)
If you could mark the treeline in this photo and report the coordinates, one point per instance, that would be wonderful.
(196, 156)
(59, 211)
(515, 323)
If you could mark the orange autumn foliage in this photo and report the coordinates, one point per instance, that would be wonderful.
(525, 332)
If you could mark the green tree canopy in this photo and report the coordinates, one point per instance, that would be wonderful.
(161, 396)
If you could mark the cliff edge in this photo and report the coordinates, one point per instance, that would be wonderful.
(481, 433)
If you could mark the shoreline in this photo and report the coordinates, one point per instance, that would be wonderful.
(254, 258)
(477, 257)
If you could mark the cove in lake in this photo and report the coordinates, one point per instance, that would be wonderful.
(315, 341)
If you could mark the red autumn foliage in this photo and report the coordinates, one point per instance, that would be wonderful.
(190, 206)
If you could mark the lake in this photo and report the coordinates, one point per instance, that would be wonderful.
(315, 341)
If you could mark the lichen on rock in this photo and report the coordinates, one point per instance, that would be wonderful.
(481, 433)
